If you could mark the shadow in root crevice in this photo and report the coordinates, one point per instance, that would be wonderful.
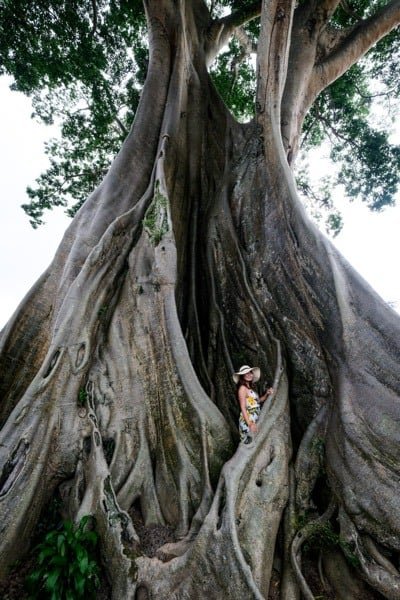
(142, 593)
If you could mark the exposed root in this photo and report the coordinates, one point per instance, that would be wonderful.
(47, 417)
(120, 543)
(345, 584)
(231, 554)
(377, 571)
(290, 589)
(310, 459)
(299, 539)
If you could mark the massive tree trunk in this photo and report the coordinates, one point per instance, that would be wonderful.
(193, 257)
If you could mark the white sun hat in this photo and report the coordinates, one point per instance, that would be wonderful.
(246, 369)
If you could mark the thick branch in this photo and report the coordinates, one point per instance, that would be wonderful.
(221, 29)
(360, 39)
(272, 58)
(244, 40)
(240, 17)
(331, 39)
(314, 15)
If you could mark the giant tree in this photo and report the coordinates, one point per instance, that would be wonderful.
(192, 257)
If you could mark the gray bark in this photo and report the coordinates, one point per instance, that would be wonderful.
(194, 256)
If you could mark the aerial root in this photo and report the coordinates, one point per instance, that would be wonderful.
(289, 589)
(302, 535)
(119, 541)
(378, 557)
(321, 572)
(373, 567)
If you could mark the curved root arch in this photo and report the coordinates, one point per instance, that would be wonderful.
(232, 552)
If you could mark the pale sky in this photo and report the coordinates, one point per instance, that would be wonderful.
(371, 242)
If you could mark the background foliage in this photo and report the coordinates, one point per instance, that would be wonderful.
(84, 64)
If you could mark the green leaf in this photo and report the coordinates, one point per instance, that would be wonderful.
(83, 564)
(68, 569)
(91, 537)
(69, 526)
(51, 537)
(79, 584)
(58, 561)
(51, 580)
(61, 544)
(45, 553)
(83, 522)
(33, 578)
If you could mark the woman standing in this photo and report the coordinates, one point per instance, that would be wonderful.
(249, 401)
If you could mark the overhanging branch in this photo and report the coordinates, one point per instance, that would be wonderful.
(221, 29)
(240, 17)
(359, 40)
(244, 40)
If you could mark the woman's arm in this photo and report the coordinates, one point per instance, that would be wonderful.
(268, 392)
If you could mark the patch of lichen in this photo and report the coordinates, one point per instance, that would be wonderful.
(155, 221)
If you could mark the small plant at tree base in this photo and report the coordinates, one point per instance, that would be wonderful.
(66, 564)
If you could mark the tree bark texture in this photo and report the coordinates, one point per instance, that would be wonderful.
(193, 257)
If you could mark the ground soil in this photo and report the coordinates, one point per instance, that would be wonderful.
(151, 537)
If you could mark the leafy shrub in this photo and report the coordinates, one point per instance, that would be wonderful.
(66, 564)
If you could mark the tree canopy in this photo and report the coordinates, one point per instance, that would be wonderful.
(84, 65)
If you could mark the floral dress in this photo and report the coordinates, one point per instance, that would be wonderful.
(253, 410)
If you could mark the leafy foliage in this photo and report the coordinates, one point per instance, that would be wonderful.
(318, 200)
(84, 63)
(369, 163)
(66, 564)
(234, 77)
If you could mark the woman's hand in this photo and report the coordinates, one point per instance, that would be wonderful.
(253, 428)
(268, 392)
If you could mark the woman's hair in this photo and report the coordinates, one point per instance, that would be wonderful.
(242, 381)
